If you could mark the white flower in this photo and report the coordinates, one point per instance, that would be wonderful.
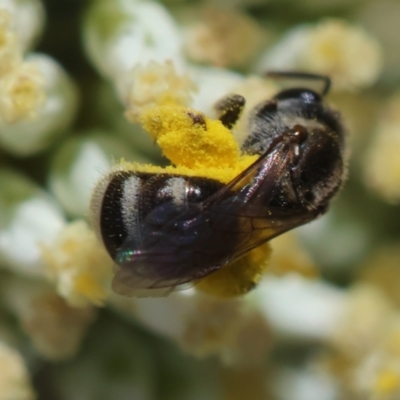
(221, 36)
(154, 83)
(31, 220)
(382, 161)
(14, 378)
(28, 19)
(298, 307)
(347, 53)
(137, 32)
(79, 265)
(21, 93)
(212, 84)
(55, 329)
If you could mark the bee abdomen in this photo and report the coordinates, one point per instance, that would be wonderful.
(135, 205)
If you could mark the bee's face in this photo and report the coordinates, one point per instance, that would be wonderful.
(163, 230)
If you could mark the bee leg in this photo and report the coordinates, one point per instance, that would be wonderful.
(229, 109)
(198, 119)
(302, 76)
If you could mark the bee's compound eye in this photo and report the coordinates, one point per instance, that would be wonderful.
(306, 95)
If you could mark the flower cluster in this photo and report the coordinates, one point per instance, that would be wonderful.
(312, 314)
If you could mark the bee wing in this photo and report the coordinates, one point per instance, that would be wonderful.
(165, 260)
(191, 244)
(247, 207)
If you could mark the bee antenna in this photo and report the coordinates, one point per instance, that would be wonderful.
(302, 75)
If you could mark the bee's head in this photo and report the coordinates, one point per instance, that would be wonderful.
(317, 164)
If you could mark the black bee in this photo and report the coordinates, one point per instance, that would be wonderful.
(163, 230)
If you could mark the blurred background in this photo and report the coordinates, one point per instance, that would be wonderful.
(323, 323)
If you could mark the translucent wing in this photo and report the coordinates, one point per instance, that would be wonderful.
(190, 244)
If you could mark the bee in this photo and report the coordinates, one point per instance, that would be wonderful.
(164, 230)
